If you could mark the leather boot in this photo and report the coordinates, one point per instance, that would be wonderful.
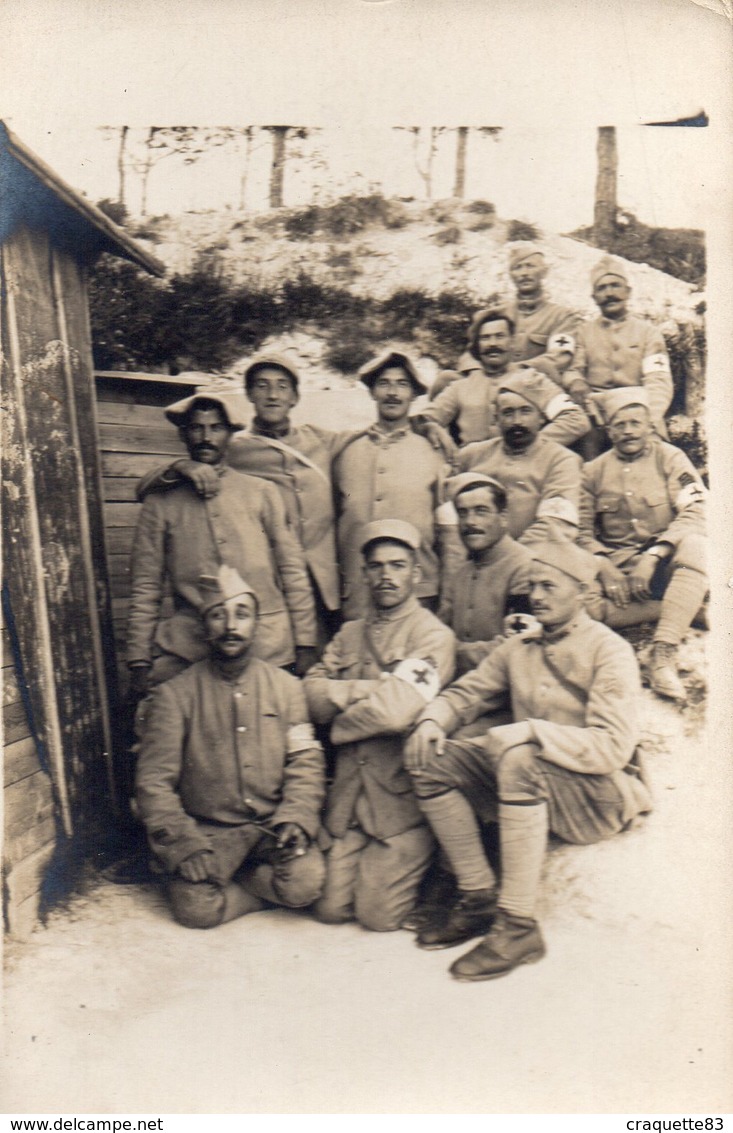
(511, 941)
(438, 893)
(663, 677)
(470, 915)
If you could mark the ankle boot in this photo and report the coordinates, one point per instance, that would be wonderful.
(510, 942)
(663, 677)
(470, 915)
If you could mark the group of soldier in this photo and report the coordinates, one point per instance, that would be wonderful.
(435, 600)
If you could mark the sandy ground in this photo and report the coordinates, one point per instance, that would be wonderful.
(111, 1007)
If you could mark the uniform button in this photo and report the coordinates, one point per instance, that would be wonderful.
(237, 695)
(378, 499)
(248, 802)
(241, 728)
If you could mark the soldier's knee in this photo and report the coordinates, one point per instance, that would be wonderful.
(690, 553)
(518, 771)
(377, 917)
(197, 904)
(299, 882)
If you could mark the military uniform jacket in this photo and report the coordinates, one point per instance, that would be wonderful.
(180, 536)
(306, 492)
(577, 696)
(477, 597)
(627, 505)
(624, 352)
(225, 751)
(381, 475)
(369, 706)
(538, 330)
(540, 484)
(471, 404)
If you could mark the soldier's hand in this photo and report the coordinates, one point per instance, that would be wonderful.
(198, 866)
(204, 477)
(579, 391)
(305, 658)
(441, 441)
(427, 741)
(292, 840)
(615, 584)
(641, 576)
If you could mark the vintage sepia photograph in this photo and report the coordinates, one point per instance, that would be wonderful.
(366, 581)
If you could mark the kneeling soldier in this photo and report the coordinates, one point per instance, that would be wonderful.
(376, 676)
(230, 780)
(563, 765)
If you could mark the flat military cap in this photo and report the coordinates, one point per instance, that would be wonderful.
(232, 405)
(395, 530)
(218, 588)
(608, 265)
(611, 401)
(567, 557)
(523, 250)
(277, 362)
(371, 370)
(465, 480)
(534, 387)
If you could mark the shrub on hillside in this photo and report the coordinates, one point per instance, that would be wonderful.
(522, 230)
(115, 210)
(449, 235)
(677, 251)
(345, 217)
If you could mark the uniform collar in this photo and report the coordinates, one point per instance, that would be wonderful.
(612, 322)
(529, 306)
(500, 549)
(379, 617)
(378, 433)
(276, 432)
(633, 456)
(580, 620)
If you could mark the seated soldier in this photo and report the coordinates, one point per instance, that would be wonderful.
(230, 780)
(494, 583)
(642, 516)
(540, 476)
(563, 765)
(375, 677)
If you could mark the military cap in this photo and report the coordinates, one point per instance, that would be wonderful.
(611, 401)
(395, 530)
(567, 557)
(232, 405)
(608, 265)
(277, 362)
(218, 588)
(465, 480)
(523, 250)
(371, 370)
(534, 387)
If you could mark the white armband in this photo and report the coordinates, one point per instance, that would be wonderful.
(301, 737)
(557, 507)
(422, 675)
(654, 364)
(557, 405)
(565, 343)
(693, 493)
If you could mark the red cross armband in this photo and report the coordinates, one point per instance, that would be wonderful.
(422, 675)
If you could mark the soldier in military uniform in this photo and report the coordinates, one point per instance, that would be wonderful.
(390, 472)
(375, 677)
(494, 583)
(541, 477)
(469, 405)
(544, 332)
(617, 349)
(181, 535)
(564, 764)
(642, 516)
(230, 780)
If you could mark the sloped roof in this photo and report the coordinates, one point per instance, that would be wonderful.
(31, 193)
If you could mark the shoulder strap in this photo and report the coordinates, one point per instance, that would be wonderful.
(281, 446)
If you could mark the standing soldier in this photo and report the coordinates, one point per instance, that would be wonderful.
(642, 516)
(181, 535)
(375, 677)
(564, 765)
(618, 350)
(389, 472)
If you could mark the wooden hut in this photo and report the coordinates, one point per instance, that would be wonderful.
(58, 657)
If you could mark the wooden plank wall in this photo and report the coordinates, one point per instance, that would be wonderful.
(134, 438)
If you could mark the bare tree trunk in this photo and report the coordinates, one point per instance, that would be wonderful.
(121, 165)
(147, 166)
(248, 137)
(459, 189)
(277, 171)
(604, 213)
